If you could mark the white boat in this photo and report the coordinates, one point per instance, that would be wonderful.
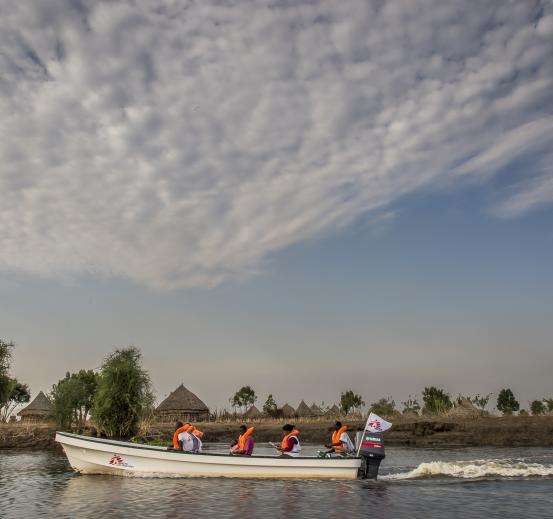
(89, 455)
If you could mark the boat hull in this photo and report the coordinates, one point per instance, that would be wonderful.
(97, 456)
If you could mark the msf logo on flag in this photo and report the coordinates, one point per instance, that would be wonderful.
(118, 461)
(376, 424)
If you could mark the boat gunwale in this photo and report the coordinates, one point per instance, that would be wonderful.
(118, 443)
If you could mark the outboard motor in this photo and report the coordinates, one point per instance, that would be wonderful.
(371, 450)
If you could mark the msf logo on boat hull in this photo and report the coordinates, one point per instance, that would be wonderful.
(118, 461)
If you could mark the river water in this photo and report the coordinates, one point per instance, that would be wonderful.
(414, 483)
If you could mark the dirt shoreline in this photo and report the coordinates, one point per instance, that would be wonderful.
(507, 431)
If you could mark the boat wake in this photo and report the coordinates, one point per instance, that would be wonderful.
(474, 469)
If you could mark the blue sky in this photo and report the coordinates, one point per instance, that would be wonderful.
(303, 196)
(441, 294)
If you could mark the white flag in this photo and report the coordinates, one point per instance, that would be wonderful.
(376, 424)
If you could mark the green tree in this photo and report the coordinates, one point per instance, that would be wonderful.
(270, 407)
(19, 394)
(384, 407)
(549, 403)
(506, 402)
(350, 401)
(244, 398)
(6, 384)
(436, 400)
(72, 398)
(481, 401)
(537, 407)
(124, 394)
(411, 405)
(12, 392)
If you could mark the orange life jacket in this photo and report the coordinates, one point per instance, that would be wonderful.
(185, 428)
(336, 443)
(196, 432)
(284, 442)
(241, 446)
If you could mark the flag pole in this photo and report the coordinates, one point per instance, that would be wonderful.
(361, 439)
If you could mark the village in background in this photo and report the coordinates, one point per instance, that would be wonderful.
(71, 403)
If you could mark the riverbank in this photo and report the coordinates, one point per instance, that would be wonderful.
(505, 431)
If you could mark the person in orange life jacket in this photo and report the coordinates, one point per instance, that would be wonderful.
(340, 441)
(244, 444)
(179, 428)
(190, 439)
(290, 444)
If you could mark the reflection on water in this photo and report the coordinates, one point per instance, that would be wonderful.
(40, 484)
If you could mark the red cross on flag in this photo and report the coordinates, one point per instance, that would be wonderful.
(375, 424)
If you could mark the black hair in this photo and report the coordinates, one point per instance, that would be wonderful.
(178, 425)
(338, 425)
(244, 427)
(288, 427)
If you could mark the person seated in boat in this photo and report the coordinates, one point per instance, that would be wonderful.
(179, 427)
(198, 435)
(340, 442)
(243, 446)
(190, 439)
(290, 444)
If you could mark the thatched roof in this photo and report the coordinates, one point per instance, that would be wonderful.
(333, 411)
(182, 400)
(287, 411)
(316, 410)
(252, 412)
(303, 409)
(41, 405)
(464, 409)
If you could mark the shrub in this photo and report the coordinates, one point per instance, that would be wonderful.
(384, 407)
(537, 407)
(244, 398)
(350, 401)
(18, 394)
(411, 405)
(506, 402)
(270, 407)
(72, 398)
(5, 361)
(124, 396)
(436, 400)
(12, 392)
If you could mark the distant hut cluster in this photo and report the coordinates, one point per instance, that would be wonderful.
(253, 413)
(182, 405)
(38, 411)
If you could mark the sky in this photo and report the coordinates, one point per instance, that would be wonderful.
(302, 196)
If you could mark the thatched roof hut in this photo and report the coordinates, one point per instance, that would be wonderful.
(316, 410)
(464, 409)
(252, 412)
(287, 411)
(303, 410)
(39, 410)
(181, 404)
(333, 411)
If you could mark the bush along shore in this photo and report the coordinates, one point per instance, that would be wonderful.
(504, 431)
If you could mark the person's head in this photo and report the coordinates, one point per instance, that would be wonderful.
(243, 428)
(288, 428)
(178, 425)
(338, 426)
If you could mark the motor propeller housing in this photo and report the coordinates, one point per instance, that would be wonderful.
(370, 446)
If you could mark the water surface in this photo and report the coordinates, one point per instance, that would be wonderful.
(415, 483)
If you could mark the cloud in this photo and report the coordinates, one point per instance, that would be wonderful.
(179, 143)
(534, 194)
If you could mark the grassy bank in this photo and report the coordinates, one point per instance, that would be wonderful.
(503, 431)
